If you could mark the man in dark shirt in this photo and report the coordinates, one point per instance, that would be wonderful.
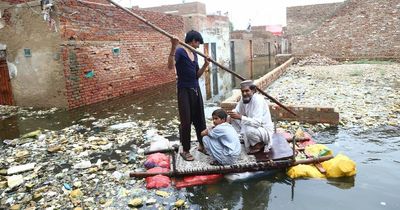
(190, 101)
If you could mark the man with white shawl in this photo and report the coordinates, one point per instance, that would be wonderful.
(252, 119)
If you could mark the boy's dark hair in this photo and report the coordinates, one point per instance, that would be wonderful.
(193, 35)
(220, 113)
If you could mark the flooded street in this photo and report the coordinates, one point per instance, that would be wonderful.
(375, 186)
(91, 134)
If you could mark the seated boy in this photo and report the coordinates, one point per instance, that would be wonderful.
(221, 141)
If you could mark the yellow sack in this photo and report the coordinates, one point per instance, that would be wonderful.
(339, 166)
(306, 171)
(317, 150)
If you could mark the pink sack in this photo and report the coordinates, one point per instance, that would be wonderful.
(157, 160)
(157, 181)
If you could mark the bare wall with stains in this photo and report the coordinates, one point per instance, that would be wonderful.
(37, 80)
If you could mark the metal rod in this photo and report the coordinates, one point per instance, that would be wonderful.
(169, 150)
(198, 52)
(294, 148)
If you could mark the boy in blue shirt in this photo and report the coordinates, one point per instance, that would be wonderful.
(221, 141)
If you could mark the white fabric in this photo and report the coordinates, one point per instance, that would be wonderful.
(256, 124)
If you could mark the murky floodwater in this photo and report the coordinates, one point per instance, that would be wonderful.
(376, 152)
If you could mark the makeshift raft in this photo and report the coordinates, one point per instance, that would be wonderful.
(281, 156)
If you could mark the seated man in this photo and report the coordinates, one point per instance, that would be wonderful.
(252, 119)
(221, 141)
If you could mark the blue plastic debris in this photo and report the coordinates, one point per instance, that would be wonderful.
(67, 186)
(89, 74)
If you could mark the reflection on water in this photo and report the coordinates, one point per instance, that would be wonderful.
(155, 103)
(226, 81)
(342, 183)
(231, 195)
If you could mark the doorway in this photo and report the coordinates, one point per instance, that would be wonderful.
(6, 97)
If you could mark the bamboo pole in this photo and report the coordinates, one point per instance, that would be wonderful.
(198, 52)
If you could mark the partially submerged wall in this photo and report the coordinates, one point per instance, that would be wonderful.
(109, 53)
(84, 52)
(37, 80)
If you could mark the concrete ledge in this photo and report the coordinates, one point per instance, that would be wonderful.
(352, 58)
(304, 114)
(282, 58)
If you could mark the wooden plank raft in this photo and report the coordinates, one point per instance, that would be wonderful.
(280, 156)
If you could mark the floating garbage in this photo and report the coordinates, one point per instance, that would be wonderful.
(82, 165)
(21, 168)
(122, 126)
(33, 134)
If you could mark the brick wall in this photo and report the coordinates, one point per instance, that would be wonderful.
(193, 13)
(304, 19)
(241, 34)
(358, 29)
(260, 39)
(16, 1)
(90, 32)
(260, 43)
(181, 9)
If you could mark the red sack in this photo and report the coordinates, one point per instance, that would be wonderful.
(157, 181)
(310, 141)
(157, 159)
(157, 170)
(198, 180)
(307, 138)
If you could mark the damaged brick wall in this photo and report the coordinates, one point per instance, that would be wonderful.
(304, 19)
(263, 43)
(358, 29)
(193, 13)
(92, 30)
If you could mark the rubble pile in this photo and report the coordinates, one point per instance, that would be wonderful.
(317, 60)
(365, 95)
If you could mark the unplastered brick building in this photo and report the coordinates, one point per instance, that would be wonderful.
(353, 29)
(72, 53)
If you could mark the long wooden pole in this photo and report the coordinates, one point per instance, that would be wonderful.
(198, 52)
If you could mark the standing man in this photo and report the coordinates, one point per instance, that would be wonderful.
(190, 100)
(252, 119)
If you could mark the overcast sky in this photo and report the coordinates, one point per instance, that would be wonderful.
(258, 12)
